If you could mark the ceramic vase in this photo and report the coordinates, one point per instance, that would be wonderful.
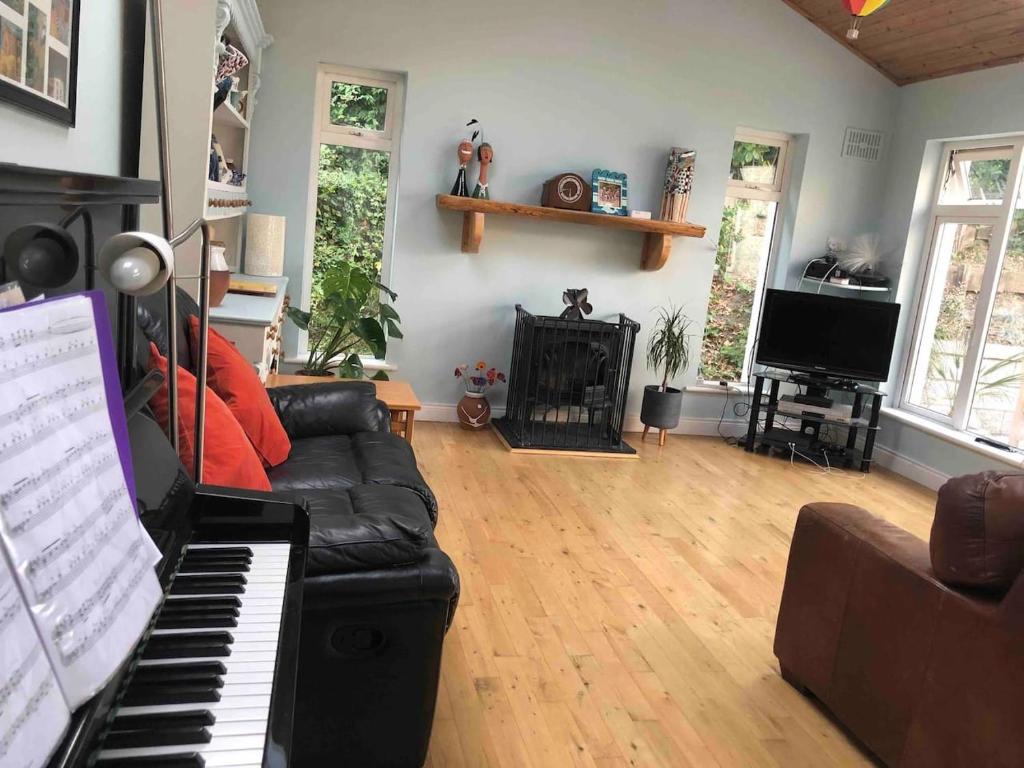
(474, 411)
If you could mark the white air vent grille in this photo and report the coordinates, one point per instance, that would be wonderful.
(861, 144)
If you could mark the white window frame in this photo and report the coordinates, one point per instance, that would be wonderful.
(387, 140)
(1000, 218)
(773, 193)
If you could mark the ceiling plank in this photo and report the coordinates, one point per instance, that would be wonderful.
(796, 6)
(914, 40)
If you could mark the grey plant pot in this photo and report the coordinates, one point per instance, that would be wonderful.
(661, 409)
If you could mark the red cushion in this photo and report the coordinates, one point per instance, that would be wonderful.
(228, 457)
(232, 377)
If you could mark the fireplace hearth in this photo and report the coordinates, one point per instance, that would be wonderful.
(568, 384)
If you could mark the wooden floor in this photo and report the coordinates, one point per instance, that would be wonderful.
(621, 613)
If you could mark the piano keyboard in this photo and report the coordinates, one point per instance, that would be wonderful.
(200, 697)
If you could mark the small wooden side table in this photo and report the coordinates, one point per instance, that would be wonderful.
(397, 395)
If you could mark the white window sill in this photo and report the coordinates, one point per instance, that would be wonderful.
(369, 363)
(962, 439)
(731, 388)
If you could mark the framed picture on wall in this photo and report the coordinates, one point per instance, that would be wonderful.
(39, 56)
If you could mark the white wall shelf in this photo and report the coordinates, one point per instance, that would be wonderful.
(842, 287)
(227, 116)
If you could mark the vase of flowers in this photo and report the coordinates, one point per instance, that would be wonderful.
(474, 411)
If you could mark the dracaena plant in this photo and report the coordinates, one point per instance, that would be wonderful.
(351, 314)
(668, 350)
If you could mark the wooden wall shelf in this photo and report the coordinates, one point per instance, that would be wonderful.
(657, 246)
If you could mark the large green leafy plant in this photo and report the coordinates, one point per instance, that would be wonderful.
(351, 315)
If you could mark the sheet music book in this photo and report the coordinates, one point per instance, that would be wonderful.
(80, 560)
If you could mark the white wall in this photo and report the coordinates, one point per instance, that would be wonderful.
(570, 85)
(94, 144)
(977, 104)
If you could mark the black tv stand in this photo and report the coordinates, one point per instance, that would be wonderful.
(808, 441)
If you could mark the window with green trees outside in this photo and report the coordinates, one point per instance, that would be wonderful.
(746, 238)
(358, 138)
(966, 367)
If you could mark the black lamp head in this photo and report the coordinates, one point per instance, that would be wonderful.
(40, 257)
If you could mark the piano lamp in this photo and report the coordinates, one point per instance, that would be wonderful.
(45, 256)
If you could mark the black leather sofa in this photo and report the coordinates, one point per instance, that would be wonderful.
(379, 593)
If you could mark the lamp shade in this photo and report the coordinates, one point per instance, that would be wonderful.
(40, 256)
(264, 245)
(136, 263)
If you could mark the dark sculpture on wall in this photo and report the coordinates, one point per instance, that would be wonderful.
(576, 303)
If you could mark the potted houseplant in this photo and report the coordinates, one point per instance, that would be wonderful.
(668, 353)
(473, 410)
(352, 314)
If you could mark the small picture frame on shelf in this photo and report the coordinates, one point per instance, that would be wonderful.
(610, 192)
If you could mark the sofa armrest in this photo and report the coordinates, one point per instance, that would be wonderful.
(432, 578)
(824, 559)
(330, 408)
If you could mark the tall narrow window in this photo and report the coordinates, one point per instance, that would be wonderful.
(757, 176)
(355, 172)
(966, 367)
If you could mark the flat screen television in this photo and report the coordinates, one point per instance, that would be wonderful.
(827, 335)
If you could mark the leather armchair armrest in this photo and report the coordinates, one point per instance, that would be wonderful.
(331, 408)
(1011, 609)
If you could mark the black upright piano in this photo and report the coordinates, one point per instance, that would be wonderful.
(212, 680)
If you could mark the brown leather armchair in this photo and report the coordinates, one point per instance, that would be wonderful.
(923, 663)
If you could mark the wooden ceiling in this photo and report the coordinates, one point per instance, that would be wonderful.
(913, 40)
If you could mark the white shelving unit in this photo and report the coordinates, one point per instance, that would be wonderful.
(240, 22)
(192, 31)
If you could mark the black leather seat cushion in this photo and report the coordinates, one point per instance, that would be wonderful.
(364, 527)
(341, 462)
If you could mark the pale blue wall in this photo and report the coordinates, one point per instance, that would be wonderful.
(569, 85)
(964, 106)
(94, 144)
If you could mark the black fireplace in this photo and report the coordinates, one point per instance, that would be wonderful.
(568, 383)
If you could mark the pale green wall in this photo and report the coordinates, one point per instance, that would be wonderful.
(569, 85)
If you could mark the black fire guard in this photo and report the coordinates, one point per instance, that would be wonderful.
(568, 383)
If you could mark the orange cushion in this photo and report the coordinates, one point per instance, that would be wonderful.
(228, 457)
(232, 377)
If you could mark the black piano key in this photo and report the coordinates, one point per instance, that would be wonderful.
(196, 670)
(219, 552)
(197, 620)
(184, 760)
(188, 644)
(190, 718)
(188, 584)
(168, 737)
(189, 604)
(214, 566)
(186, 692)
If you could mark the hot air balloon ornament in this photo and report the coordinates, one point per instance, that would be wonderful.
(858, 10)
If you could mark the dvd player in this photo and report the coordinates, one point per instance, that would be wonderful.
(788, 406)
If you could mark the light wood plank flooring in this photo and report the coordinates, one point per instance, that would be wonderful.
(621, 613)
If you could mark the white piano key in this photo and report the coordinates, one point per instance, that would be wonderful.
(222, 710)
(232, 664)
(216, 744)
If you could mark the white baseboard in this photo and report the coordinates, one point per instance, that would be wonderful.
(909, 468)
(709, 427)
(705, 427)
(694, 426)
